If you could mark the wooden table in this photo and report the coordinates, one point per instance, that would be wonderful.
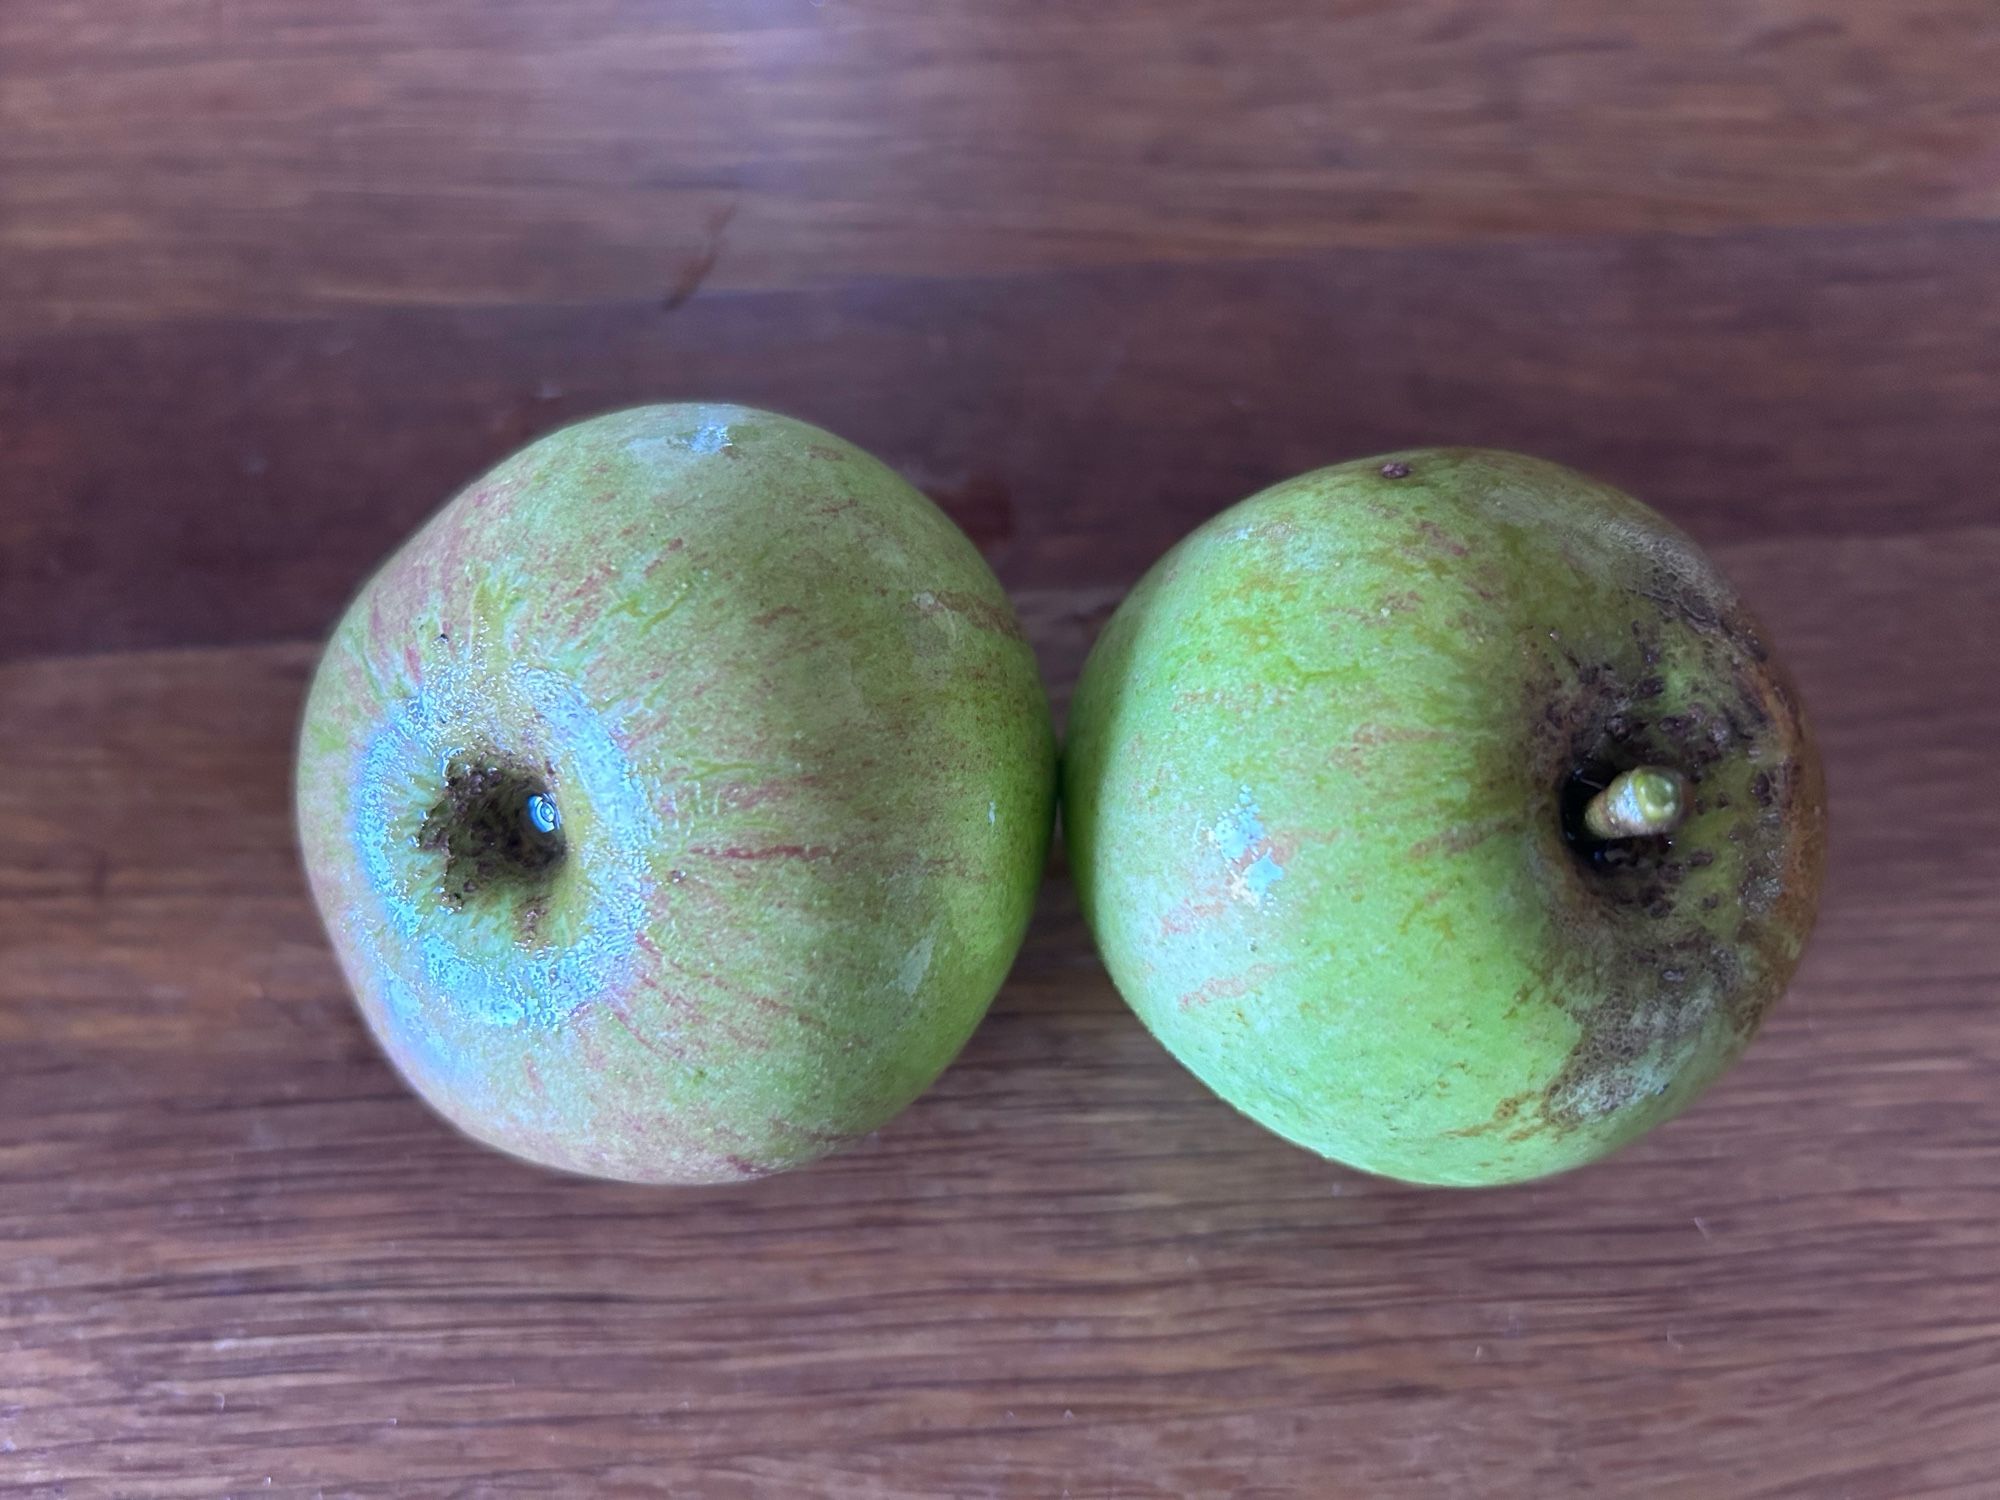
(275, 277)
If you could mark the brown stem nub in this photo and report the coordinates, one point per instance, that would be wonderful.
(1644, 802)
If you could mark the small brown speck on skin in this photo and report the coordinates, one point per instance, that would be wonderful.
(1395, 471)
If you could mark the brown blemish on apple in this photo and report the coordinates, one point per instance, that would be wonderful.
(1440, 540)
(1504, 1117)
(1461, 837)
(1429, 899)
(1634, 1039)
(1681, 942)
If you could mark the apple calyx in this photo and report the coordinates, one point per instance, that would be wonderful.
(1644, 802)
(499, 832)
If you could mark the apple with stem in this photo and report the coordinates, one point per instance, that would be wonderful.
(677, 796)
(1446, 813)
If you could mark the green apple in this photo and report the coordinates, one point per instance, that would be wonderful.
(1445, 813)
(676, 797)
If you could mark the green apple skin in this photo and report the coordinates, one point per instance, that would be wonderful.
(1319, 790)
(802, 766)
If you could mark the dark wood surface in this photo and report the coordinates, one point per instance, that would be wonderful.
(275, 278)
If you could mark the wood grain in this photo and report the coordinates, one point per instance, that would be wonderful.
(276, 278)
(268, 156)
(217, 482)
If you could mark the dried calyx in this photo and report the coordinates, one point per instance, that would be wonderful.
(498, 830)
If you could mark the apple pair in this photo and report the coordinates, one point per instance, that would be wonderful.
(677, 797)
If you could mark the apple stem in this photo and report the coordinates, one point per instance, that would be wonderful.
(1643, 802)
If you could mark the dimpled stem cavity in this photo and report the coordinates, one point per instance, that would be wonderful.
(1644, 802)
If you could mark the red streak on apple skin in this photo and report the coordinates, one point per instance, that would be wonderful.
(593, 583)
(1228, 986)
(1438, 538)
(376, 630)
(756, 999)
(672, 546)
(776, 851)
(1190, 916)
(772, 1006)
(651, 1044)
(741, 796)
